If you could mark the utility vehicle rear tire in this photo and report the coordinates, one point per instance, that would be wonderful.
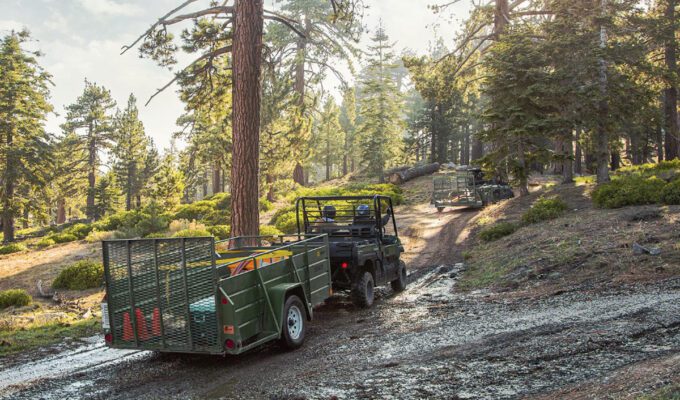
(440, 209)
(399, 284)
(362, 291)
(294, 319)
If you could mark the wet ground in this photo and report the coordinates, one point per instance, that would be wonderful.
(430, 342)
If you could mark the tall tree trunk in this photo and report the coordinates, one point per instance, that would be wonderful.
(128, 190)
(578, 155)
(91, 173)
(523, 170)
(568, 163)
(477, 151)
(601, 134)
(328, 159)
(299, 174)
(205, 184)
(217, 177)
(557, 163)
(8, 195)
(270, 183)
(501, 17)
(671, 92)
(466, 146)
(24, 220)
(61, 211)
(247, 56)
(615, 160)
(659, 142)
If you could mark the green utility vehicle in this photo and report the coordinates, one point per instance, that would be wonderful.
(365, 249)
(198, 295)
(466, 187)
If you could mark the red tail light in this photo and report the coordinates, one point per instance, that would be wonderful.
(229, 344)
(344, 265)
(224, 300)
(108, 338)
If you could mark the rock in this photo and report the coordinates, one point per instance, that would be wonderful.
(639, 250)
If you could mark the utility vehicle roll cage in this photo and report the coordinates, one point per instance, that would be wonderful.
(347, 221)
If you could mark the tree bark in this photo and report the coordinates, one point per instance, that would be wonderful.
(61, 211)
(91, 173)
(299, 174)
(659, 142)
(8, 195)
(568, 163)
(671, 92)
(217, 177)
(578, 155)
(406, 175)
(247, 56)
(601, 134)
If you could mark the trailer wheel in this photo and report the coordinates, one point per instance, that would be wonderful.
(399, 284)
(362, 292)
(440, 209)
(293, 327)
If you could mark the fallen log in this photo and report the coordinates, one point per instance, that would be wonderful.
(395, 170)
(400, 177)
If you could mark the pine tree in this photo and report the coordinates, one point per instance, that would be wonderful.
(24, 144)
(107, 196)
(68, 182)
(329, 138)
(90, 117)
(133, 161)
(167, 185)
(348, 122)
(380, 107)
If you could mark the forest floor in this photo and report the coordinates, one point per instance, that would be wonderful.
(561, 309)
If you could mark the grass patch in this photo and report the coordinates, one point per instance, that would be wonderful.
(671, 392)
(544, 209)
(497, 231)
(45, 242)
(15, 340)
(192, 233)
(585, 180)
(14, 297)
(481, 275)
(12, 248)
(85, 274)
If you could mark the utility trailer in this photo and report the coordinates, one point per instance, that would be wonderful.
(466, 187)
(198, 295)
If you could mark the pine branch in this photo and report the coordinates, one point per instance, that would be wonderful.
(286, 21)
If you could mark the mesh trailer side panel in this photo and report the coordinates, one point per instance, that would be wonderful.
(161, 294)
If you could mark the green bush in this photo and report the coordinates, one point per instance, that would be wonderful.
(14, 297)
(671, 193)
(221, 232)
(544, 209)
(268, 230)
(63, 237)
(192, 233)
(286, 222)
(79, 230)
(85, 274)
(45, 242)
(265, 205)
(628, 191)
(12, 248)
(497, 231)
(97, 236)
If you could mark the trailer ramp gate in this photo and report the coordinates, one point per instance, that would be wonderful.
(161, 294)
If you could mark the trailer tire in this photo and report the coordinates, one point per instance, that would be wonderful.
(293, 324)
(399, 284)
(363, 291)
(440, 209)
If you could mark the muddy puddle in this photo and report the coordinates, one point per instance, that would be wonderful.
(430, 342)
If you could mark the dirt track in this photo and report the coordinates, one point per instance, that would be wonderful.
(428, 342)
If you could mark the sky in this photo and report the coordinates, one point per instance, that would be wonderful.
(82, 39)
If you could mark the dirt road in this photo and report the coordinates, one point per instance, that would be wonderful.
(430, 342)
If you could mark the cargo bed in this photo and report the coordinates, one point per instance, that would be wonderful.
(198, 295)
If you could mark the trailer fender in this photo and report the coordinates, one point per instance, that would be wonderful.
(280, 292)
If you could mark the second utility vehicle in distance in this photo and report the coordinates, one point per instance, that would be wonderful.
(364, 245)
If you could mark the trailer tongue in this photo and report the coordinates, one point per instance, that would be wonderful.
(196, 295)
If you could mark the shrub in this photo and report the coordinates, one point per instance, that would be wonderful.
(183, 225)
(14, 297)
(79, 230)
(265, 205)
(497, 231)
(268, 230)
(97, 236)
(628, 191)
(12, 248)
(84, 274)
(63, 237)
(544, 209)
(192, 233)
(671, 193)
(221, 232)
(286, 223)
(45, 242)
